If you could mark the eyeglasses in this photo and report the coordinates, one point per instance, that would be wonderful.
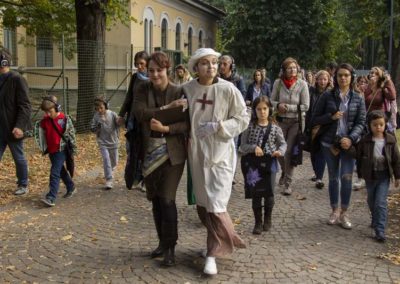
(343, 75)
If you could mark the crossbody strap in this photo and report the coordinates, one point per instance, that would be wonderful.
(57, 130)
(266, 134)
(373, 98)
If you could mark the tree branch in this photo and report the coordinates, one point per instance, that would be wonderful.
(11, 3)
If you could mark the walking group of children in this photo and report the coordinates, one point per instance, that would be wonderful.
(55, 135)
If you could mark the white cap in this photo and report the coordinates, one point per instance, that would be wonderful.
(200, 53)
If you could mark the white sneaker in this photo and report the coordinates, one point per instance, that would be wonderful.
(358, 184)
(109, 184)
(210, 267)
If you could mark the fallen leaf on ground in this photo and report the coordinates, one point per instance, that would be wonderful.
(300, 197)
(66, 238)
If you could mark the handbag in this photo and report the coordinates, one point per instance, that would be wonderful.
(296, 157)
(257, 172)
(69, 151)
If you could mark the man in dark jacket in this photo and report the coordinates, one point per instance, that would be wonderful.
(15, 118)
(227, 71)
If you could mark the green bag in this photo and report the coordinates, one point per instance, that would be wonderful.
(189, 187)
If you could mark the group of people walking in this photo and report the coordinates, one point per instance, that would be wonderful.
(344, 121)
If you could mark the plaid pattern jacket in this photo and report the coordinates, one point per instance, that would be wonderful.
(69, 134)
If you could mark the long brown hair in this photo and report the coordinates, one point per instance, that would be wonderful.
(262, 76)
(256, 102)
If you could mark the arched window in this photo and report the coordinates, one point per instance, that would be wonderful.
(200, 39)
(190, 35)
(178, 36)
(151, 36)
(146, 35)
(164, 33)
(148, 21)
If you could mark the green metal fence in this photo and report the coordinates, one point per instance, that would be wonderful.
(74, 72)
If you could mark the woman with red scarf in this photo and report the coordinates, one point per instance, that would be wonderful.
(289, 93)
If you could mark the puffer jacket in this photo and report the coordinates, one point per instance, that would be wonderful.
(365, 155)
(328, 105)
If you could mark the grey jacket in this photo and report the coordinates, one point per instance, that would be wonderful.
(297, 94)
(106, 129)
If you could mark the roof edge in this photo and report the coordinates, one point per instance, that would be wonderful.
(208, 8)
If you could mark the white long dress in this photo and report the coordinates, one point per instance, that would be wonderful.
(212, 159)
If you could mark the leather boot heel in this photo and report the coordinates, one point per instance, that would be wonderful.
(169, 257)
(157, 252)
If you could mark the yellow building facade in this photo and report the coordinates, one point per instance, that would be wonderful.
(182, 25)
(178, 26)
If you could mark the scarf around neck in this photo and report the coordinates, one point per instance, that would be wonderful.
(142, 76)
(289, 82)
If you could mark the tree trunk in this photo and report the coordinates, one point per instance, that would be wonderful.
(91, 26)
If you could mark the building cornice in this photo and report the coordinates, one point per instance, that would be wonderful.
(205, 7)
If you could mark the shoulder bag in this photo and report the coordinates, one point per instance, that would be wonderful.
(296, 157)
(257, 171)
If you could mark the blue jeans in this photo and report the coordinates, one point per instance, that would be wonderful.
(377, 202)
(340, 170)
(17, 152)
(58, 171)
(318, 163)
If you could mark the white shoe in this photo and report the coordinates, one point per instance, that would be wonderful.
(210, 267)
(109, 184)
(358, 184)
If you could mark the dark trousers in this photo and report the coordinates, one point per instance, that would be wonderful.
(166, 220)
(269, 202)
(318, 163)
